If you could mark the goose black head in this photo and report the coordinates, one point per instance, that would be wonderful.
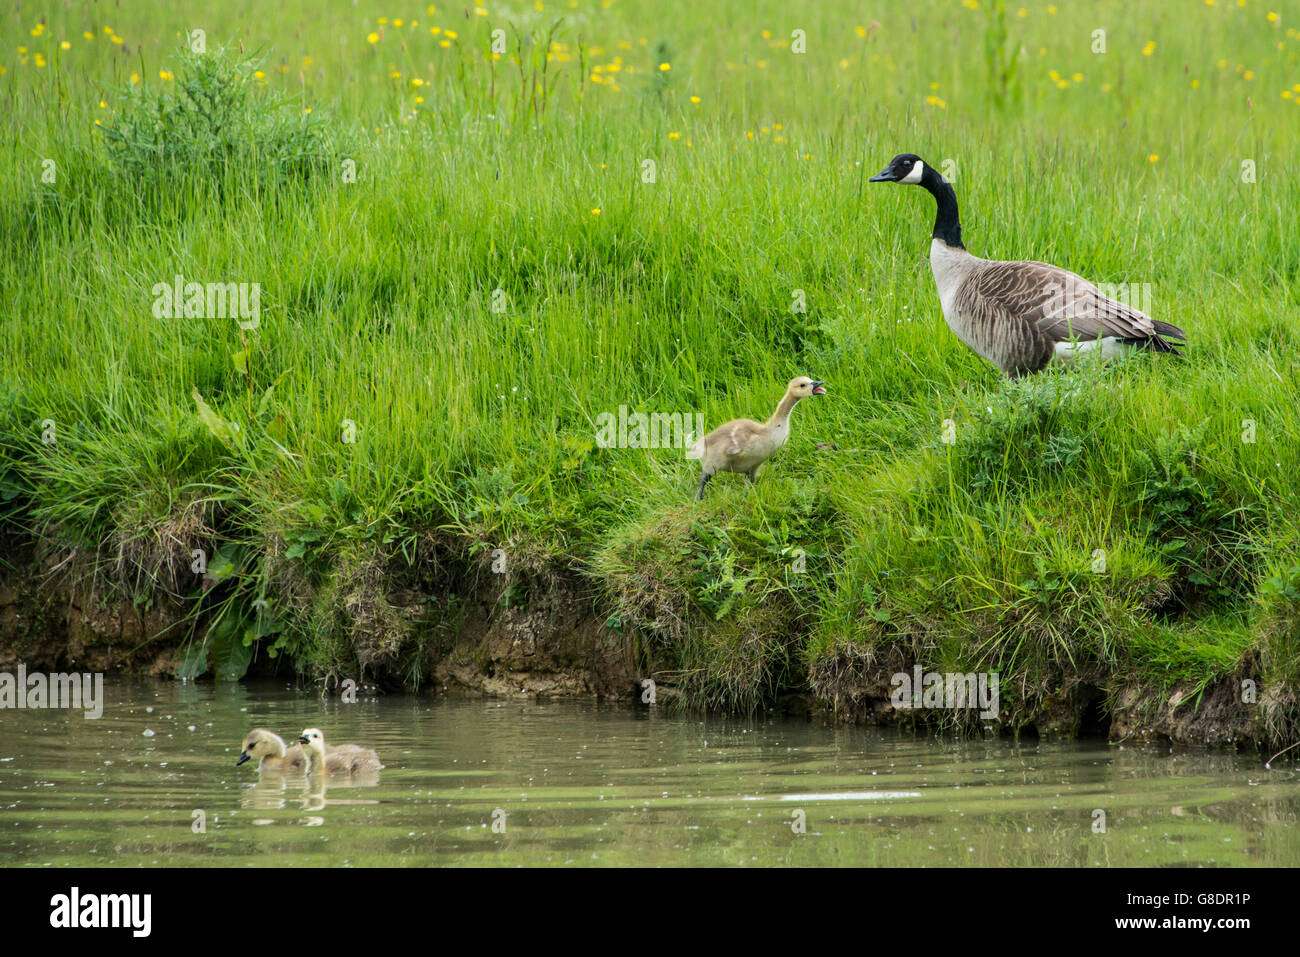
(903, 168)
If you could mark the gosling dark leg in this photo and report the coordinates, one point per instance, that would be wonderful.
(704, 480)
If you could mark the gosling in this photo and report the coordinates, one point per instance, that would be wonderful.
(340, 759)
(743, 445)
(269, 747)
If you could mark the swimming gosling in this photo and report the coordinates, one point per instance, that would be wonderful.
(340, 758)
(269, 747)
(743, 445)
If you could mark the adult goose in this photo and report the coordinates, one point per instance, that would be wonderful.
(1021, 316)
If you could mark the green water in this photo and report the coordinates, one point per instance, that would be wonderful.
(581, 783)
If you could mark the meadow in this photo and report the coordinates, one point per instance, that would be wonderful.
(476, 229)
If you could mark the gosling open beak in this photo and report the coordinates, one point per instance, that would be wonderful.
(819, 388)
(886, 175)
(302, 739)
(243, 756)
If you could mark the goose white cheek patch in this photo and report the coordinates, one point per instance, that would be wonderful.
(918, 170)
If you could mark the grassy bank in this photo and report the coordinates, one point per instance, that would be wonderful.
(437, 338)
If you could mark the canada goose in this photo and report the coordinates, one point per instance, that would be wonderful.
(1021, 316)
(742, 445)
(269, 747)
(340, 758)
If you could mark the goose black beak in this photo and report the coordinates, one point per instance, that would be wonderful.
(243, 756)
(886, 175)
(302, 739)
(818, 388)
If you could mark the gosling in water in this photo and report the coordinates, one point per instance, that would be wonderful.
(273, 755)
(339, 759)
(742, 445)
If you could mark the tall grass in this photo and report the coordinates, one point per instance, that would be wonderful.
(501, 272)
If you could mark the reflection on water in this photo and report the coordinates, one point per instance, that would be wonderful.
(472, 781)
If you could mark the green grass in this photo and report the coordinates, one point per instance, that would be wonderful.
(475, 428)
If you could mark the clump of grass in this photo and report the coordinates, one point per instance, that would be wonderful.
(214, 125)
(1031, 428)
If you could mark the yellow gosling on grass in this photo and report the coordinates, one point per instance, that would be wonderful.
(743, 445)
(270, 750)
(338, 759)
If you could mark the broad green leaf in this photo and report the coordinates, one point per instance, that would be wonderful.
(194, 662)
(216, 425)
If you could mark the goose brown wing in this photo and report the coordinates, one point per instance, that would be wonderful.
(1001, 308)
(1063, 305)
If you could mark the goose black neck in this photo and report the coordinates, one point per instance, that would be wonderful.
(946, 224)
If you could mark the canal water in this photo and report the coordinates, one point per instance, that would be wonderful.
(477, 781)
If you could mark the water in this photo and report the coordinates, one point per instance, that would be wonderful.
(581, 783)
